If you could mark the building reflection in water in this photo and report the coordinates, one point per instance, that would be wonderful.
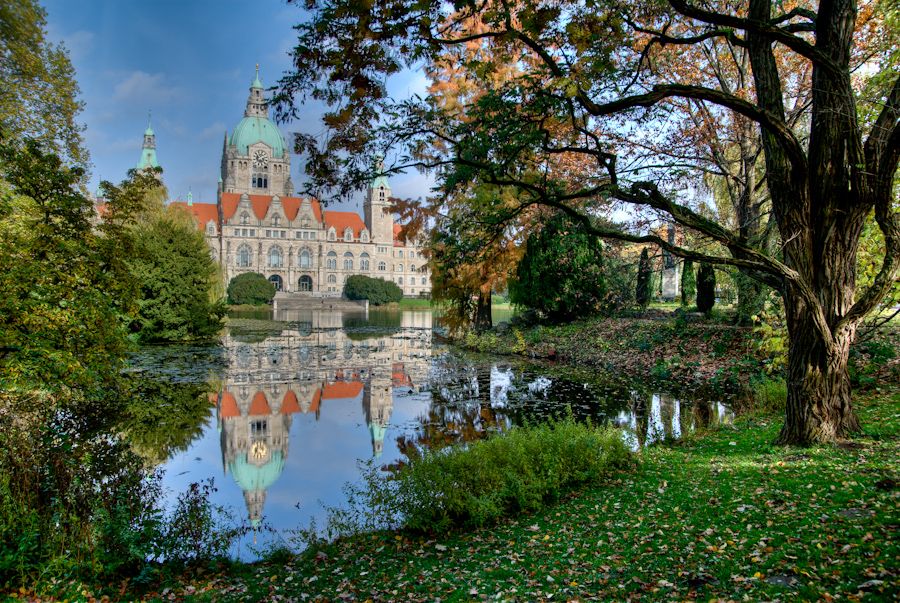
(312, 363)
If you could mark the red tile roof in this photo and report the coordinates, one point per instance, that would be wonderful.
(290, 405)
(399, 376)
(229, 406)
(261, 204)
(342, 389)
(260, 406)
(341, 220)
(202, 212)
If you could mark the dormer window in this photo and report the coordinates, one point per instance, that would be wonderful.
(348, 235)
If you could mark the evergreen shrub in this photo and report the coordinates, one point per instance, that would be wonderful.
(706, 288)
(688, 283)
(250, 288)
(561, 273)
(642, 290)
(377, 290)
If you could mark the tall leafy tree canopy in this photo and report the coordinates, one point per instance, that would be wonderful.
(39, 96)
(590, 86)
(178, 279)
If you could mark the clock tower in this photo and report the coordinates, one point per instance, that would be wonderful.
(255, 158)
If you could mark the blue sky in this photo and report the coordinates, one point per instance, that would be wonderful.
(190, 62)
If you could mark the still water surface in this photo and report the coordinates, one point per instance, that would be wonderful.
(280, 413)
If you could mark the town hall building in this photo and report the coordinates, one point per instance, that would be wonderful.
(258, 225)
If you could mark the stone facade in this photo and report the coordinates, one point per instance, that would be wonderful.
(257, 225)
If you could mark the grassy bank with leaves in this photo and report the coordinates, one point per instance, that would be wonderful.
(720, 516)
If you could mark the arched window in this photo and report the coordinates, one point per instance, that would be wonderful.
(364, 261)
(305, 283)
(400, 266)
(412, 268)
(265, 183)
(244, 256)
(331, 261)
(364, 237)
(382, 266)
(211, 229)
(276, 280)
(400, 281)
(412, 254)
(412, 281)
(332, 278)
(245, 218)
(276, 221)
(306, 258)
(348, 261)
(348, 234)
(331, 236)
(276, 257)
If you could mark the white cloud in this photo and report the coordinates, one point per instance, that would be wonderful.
(79, 43)
(177, 128)
(213, 132)
(139, 86)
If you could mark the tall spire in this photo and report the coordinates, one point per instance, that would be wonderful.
(256, 103)
(190, 198)
(148, 151)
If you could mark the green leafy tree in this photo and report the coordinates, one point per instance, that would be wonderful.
(70, 492)
(377, 290)
(561, 273)
(688, 283)
(588, 81)
(250, 288)
(39, 96)
(643, 291)
(706, 288)
(178, 279)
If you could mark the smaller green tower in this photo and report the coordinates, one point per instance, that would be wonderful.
(148, 152)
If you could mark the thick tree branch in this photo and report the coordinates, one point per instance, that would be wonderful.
(776, 34)
(772, 123)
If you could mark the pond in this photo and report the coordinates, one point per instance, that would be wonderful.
(281, 412)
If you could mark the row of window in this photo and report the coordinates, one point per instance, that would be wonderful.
(272, 234)
(275, 257)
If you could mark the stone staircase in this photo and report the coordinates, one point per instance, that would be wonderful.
(312, 301)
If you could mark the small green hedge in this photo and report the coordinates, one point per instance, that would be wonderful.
(520, 471)
(378, 291)
(250, 288)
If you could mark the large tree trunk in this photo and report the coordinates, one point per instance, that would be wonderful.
(819, 406)
(483, 321)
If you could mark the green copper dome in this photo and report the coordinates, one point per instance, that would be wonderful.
(257, 129)
(250, 477)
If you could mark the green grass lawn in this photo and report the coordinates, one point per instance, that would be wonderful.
(721, 516)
